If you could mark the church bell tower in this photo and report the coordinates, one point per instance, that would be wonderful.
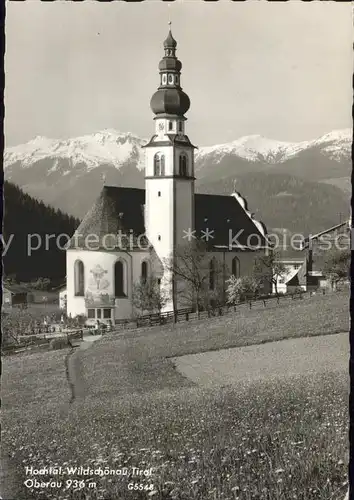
(169, 167)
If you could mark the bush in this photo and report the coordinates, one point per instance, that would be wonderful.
(58, 343)
(243, 288)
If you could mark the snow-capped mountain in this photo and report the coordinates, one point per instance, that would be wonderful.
(117, 148)
(104, 147)
(254, 147)
(68, 174)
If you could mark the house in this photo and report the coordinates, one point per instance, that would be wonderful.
(317, 247)
(15, 295)
(304, 265)
(129, 233)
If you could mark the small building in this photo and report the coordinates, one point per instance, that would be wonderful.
(317, 247)
(295, 276)
(15, 295)
(305, 265)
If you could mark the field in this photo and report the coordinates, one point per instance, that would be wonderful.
(283, 439)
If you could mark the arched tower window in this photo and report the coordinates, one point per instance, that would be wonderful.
(79, 278)
(159, 164)
(144, 271)
(183, 168)
(119, 281)
(162, 165)
(235, 267)
(212, 274)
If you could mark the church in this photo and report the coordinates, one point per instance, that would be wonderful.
(129, 233)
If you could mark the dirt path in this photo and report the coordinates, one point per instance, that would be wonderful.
(74, 368)
(285, 358)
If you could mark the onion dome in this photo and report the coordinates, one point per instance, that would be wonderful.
(170, 101)
(170, 42)
(169, 98)
(170, 64)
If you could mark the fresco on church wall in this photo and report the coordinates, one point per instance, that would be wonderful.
(98, 284)
(98, 281)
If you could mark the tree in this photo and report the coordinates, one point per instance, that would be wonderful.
(240, 289)
(17, 322)
(40, 284)
(148, 295)
(196, 275)
(270, 269)
(337, 266)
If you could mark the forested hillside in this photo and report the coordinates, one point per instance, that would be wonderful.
(25, 216)
(286, 201)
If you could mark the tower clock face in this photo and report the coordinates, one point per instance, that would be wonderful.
(161, 126)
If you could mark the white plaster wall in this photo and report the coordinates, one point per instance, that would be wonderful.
(123, 306)
(171, 212)
(184, 192)
(161, 134)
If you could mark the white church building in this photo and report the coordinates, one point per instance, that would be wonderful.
(129, 233)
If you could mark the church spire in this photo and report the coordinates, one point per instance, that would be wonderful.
(169, 98)
(170, 43)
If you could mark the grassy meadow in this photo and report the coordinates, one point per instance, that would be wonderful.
(281, 440)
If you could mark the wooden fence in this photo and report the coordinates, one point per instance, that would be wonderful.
(190, 314)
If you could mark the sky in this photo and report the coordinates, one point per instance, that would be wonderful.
(282, 70)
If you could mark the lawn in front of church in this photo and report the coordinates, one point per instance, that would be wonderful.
(270, 440)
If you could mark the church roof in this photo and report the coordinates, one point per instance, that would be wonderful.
(117, 211)
(121, 210)
(170, 41)
(172, 101)
(174, 139)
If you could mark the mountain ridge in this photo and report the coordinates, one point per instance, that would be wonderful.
(69, 173)
(101, 147)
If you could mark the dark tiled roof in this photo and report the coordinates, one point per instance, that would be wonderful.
(116, 211)
(334, 229)
(122, 209)
(224, 214)
(172, 139)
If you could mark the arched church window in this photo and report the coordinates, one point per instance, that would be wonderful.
(144, 271)
(162, 165)
(164, 79)
(235, 267)
(157, 164)
(119, 281)
(180, 127)
(183, 169)
(212, 274)
(176, 79)
(170, 78)
(79, 278)
(170, 125)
